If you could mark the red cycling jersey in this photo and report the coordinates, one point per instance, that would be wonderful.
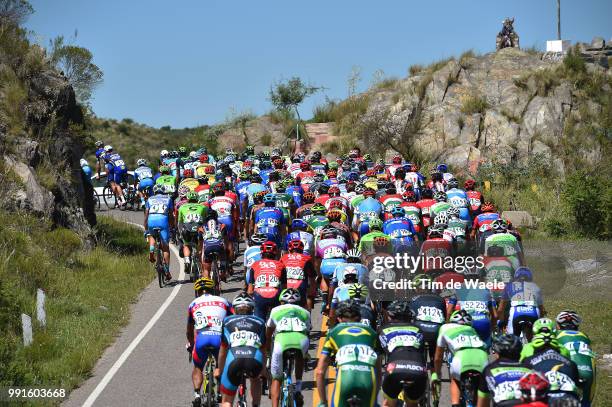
(268, 277)
(475, 199)
(434, 251)
(299, 267)
(425, 205)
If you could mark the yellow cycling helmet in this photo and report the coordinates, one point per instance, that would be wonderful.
(203, 284)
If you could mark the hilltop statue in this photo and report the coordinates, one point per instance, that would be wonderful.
(507, 37)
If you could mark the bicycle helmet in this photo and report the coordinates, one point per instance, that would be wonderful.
(400, 310)
(257, 239)
(359, 189)
(335, 204)
(192, 196)
(203, 158)
(544, 325)
(334, 191)
(209, 170)
(507, 346)
(83, 162)
(203, 284)
(440, 196)
(295, 245)
(243, 300)
(182, 150)
(99, 143)
(358, 292)
(308, 197)
(269, 199)
(193, 155)
(409, 196)
(568, 319)
(268, 247)
(158, 189)
(397, 211)
(290, 296)
(349, 309)
(141, 162)
(381, 242)
(328, 232)
(375, 224)
(397, 159)
(335, 215)
(545, 339)
(533, 386)
(305, 166)
(453, 183)
(427, 193)
(164, 169)
(318, 209)
(369, 192)
(453, 212)
(441, 219)
(461, 317)
(299, 224)
(435, 231)
(350, 275)
(499, 226)
(249, 149)
(469, 184)
(442, 168)
(353, 256)
(108, 148)
(487, 207)
(183, 190)
(188, 173)
(421, 279)
(523, 274)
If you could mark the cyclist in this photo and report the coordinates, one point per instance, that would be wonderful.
(267, 278)
(412, 212)
(227, 215)
(579, 346)
(253, 252)
(533, 388)
(300, 272)
(86, 169)
(458, 199)
(481, 227)
(474, 196)
(143, 180)
(99, 157)
(204, 326)
(429, 311)
(242, 350)
(406, 369)
(501, 376)
(317, 219)
(299, 231)
(351, 288)
(366, 244)
(270, 220)
(168, 181)
(116, 171)
(425, 204)
(467, 349)
(501, 238)
(523, 300)
(159, 214)
(214, 243)
(290, 325)
(354, 346)
(352, 265)
(191, 216)
(478, 302)
(544, 356)
(543, 325)
(303, 211)
(400, 229)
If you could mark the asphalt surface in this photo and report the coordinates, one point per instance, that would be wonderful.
(148, 365)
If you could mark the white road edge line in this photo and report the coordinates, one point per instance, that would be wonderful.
(126, 353)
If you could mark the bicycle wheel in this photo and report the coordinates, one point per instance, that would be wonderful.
(97, 200)
(214, 274)
(110, 200)
(211, 398)
(159, 267)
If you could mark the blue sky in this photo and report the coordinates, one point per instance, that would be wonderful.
(190, 62)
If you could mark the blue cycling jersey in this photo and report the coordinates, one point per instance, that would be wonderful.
(305, 237)
(296, 193)
(143, 172)
(370, 205)
(399, 228)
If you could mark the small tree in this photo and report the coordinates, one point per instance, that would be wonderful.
(290, 94)
(76, 63)
(14, 11)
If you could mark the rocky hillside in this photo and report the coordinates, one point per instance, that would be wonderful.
(507, 106)
(41, 138)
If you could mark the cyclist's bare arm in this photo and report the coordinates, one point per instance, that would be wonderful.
(190, 333)
(222, 357)
(146, 218)
(438, 360)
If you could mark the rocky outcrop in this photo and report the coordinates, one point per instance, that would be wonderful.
(510, 105)
(40, 160)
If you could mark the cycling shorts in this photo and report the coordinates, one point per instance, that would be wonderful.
(205, 340)
(468, 359)
(117, 175)
(241, 360)
(282, 342)
(159, 221)
(272, 234)
(212, 246)
(430, 335)
(354, 380)
(263, 305)
(364, 228)
(229, 225)
(406, 366)
(146, 185)
(187, 233)
(329, 265)
(519, 314)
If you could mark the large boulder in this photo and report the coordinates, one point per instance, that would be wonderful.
(29, 194)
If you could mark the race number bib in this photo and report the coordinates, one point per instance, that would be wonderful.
(291, 325)
(295, 273)
(356, 353)
(158, 208)
(466, 341)
(403, 341)
(209, 322)
(244, 338)
(430, 314)
(193, 218)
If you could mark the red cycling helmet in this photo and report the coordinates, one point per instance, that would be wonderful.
(409, 196)
(335, 204)
(332, 174)
(369, 192)
(370, 173)
(268, 247)
(334, 191)
(296, 245)
(334, 215)
(308, 197)
(534, 386)
(204, 158)
(209, 170)
(305, 166)
(487, 207)
(188, 173)
(469, 184)
(278, 163)
(397, 159)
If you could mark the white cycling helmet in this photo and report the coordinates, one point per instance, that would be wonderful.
(164, 153)
(243, 299)
(141, 162)
(193, 154)
(108, 148)
(353, 254)
(83, 162)
(290, 296)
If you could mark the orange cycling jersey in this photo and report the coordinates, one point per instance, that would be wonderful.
(268, 277)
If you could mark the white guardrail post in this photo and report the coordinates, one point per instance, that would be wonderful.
(26, 323)
(41, 315)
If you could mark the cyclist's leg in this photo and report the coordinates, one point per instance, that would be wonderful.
(200, 355)
(463, 361)
(357, 381)
(165, 247)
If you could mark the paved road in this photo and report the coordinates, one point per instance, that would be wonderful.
(148, 365)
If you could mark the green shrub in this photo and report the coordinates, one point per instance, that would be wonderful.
(474, 104)
(573, 62)
(386, 84)
(266, 139)
(118, 236)
(324, 113)
(589, 198)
